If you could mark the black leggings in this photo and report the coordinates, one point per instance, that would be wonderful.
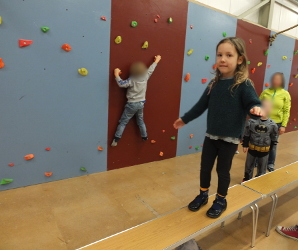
(224, 152)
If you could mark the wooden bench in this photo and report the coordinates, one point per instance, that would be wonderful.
(172, 230)
(270, 183)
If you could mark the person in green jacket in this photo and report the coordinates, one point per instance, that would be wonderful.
(281, 109)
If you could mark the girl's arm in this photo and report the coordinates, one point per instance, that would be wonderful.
(286, 110)
(250, 100)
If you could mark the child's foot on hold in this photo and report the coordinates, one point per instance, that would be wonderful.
(115, 142)
(199, 201)
(218, 207)
(290, 232)
(145, 138)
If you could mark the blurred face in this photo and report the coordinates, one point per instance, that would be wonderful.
(138, 69)
(277, 81)
(227, 59)
(267, 107)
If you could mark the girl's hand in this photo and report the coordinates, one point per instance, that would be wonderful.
(117, 72)
(256, 111)
(281, 130)
(178, 124)
(245, 150)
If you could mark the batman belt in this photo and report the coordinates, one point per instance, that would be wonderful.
(260, 149)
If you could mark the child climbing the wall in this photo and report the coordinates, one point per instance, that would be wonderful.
(259, 138)
(229, 98)
(136, 86)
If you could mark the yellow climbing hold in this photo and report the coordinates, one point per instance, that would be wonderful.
(284, 57)
(118, 39)
(190, 52)
(83, 71)
(145, 45)
(259, 64)
(296, 76)
(0, 19)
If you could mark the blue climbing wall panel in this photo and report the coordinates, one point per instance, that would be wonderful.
(208, 27)
(44, 102)
(282, 46)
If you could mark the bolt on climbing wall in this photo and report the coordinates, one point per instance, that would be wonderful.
(202, 35)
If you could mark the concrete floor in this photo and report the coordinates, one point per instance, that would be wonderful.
(71, 213)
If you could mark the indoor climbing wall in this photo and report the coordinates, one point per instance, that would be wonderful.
(257, 45)
(202, 36)
(293, 90)
(47, 108)
(163, 95)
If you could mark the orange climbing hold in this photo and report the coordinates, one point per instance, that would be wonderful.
(187, 77)
(294, 119)
(66, 47)
(103, 18)
(191, 136)
(100, 148)
(266, 84)
(163, 131)
(158, 16)
(204, 80)
(2, 64)
(152, 141)
(268, 66)
(11, 164)
(214, 66)
(48, 174)
(253, 70)
(29, 157)
(24, 43)
(155, 20)
(47, 149)
(291, 84)
(160, 153)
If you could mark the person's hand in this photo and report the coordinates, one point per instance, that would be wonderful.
(256, 111)
(117, 72)
(281, 130)
(157, 58)
(178, 124)
(245, 150)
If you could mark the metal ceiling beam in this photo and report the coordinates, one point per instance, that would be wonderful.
(270, 17)
(253, 9)
(286, 5)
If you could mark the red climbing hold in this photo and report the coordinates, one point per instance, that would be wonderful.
(11, 164)
(204, 80)
(103, 18)
(266, 84)
(163, 131)
(24, 43)
(291, 84)
(187, 77)
(155, 20)
(250, 41)
(253, 70)
(191, 26)
(294, 119)
(268, 66)
(214, 66)
(190, 147)
(160, 153)
(48, 174)
(66, 47)
(191, 136)
(201, 145)
(158, 16)
(47, 149)
(2, 64)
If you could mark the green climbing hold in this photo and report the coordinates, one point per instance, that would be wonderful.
(296, 52)
(5, 181)
(248, 62)
(197, 148)
(170, 20)
(83, 169)
(44, 29)
(173, 138)
(207, 57)
(266, 52)
(295, 127)
(224, 34)
(134, 24)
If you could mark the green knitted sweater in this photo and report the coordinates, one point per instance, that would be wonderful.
(227, 109)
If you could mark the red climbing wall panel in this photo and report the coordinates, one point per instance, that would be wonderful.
(255, 50)
(164, 87)
(293, 122)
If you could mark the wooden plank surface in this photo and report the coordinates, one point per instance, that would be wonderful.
(273, 181)
(169, 229)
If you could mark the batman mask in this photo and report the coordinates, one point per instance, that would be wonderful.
(261, 129)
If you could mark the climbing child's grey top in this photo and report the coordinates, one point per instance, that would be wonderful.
(136, 87)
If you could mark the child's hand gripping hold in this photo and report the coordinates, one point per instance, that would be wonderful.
(157, 59)
(117, 72)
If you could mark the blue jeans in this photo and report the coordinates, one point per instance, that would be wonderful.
(272, 152)
(131, 109)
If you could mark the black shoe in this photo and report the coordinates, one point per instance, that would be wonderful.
(199, 201)
(215, 213)
(145, 138)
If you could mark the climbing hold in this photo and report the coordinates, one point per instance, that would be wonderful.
(11, 164)
(268, 66)
(284, 57)
(296, 52)
(248, 62)
(103, 18)
(163, 131)
(204, 80)
(291, 84)
(191, 26)
(2, 64)
(173, 138)
(0, 19)
(201, 145)
(66, 47)
(152, 141)
(253, 70)
(158, 16)
(170, 20)
(190, 147)
(24, 43)
(44, 29)
(250, 41)
(266, 52)
(259, 64)
(83, 169)
(29, 157)
(214, 66)
(191, 136)
(189, 52)
(224, 34)
(160, 153)
(134, 24)
(83, 71)
(266, 84)
(100, 148)
(47, 149)
(296, 76)
(295, 127)
(294, 119)
(48, 174)
(5, 181)
(145, 45)
(207, 57)
(197, 148)
(118, 39)
(155, 20)
(187, 77)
